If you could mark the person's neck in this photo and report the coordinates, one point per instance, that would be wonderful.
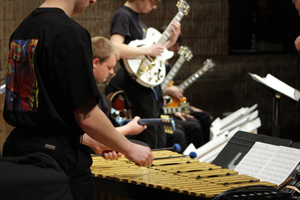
(66, 6)
(132, 6)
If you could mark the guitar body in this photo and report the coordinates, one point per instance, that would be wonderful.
(148, 71)
(174, 102)
(118, 102)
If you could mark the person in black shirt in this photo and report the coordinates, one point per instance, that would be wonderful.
(127, 26)
(203, 117)
(52, 96)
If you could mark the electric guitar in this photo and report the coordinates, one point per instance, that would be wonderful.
(146, 70)
(168, 123)
(185, 55)
(208, 65)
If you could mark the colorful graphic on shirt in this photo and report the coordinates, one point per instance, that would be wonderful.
(21, 83)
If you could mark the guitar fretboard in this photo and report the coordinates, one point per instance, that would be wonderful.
(172, 73)
(167, 33)
(208, 66)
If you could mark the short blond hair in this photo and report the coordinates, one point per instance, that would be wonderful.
(103, 48)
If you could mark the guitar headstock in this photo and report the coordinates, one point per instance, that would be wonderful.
(169, 124)
(183, 6)
(186, 52)
(208, 65)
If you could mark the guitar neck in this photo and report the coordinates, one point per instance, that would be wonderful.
(167, 33)
(185, 84)
(173, 72)
(185, 55)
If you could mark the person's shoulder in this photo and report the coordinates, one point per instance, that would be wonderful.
(69, 28)
(123, 11)
(57, 18)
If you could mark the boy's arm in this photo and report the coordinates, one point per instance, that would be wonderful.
(131, 128)
(129, 52)
(95, 123)
(99, 148)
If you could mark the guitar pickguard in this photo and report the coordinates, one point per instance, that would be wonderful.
(148, 71)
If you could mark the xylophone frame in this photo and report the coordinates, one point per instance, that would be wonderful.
(131, 191)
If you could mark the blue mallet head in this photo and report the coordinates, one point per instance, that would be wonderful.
(193, 154)
(176, 147)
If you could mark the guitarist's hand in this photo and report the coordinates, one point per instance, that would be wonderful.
(176, 30)
(182, 116)
(155, 50)
(134, 127)
(174, 91)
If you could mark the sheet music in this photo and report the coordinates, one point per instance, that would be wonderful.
(269, 162)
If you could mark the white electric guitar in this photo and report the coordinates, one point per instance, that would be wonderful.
(146, 70)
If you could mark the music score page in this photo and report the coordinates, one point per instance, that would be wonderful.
(269, 162)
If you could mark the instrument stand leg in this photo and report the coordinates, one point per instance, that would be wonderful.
(275, 126)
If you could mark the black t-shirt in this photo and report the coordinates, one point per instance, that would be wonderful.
(145, 102)
(128, 23)
(49, 73)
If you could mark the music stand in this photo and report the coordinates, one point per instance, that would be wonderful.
(279, 88)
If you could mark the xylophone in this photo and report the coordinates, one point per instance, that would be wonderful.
(172, 178)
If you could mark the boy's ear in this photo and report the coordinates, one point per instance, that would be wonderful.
(96, 60)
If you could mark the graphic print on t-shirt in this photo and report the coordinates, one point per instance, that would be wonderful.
(21, 83)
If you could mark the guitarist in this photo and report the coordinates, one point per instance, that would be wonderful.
(127, 26)
(203, 117)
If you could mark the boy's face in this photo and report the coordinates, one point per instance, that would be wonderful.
(146, 6)
(81, 5)
(297, 5)
(103, 70)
